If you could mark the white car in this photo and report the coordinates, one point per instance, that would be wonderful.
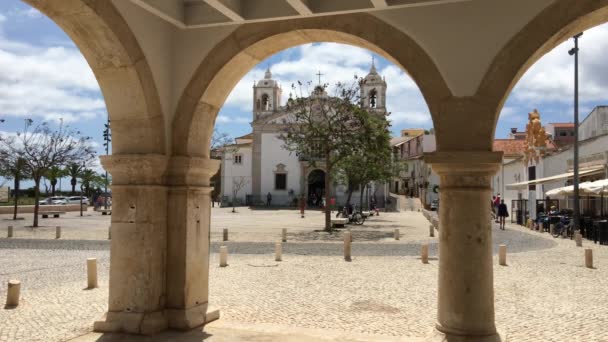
(56, 200)
(76, 200)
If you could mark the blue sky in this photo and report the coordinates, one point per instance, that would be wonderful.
(43, 76)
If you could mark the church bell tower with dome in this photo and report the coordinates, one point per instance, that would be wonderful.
(266, 96)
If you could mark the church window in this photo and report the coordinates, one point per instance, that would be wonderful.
(265, 102)
(373, 98)
(238, 159)
(280, 181)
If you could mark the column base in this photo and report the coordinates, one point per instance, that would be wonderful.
(440, 336)
(184, 319)
(145, 323)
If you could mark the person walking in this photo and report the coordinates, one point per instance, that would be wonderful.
(502, 213)
(496, 204)
(268, 199)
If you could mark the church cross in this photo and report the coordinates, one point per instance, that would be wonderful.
(319, 74)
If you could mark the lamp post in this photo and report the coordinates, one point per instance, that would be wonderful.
(107, 138)
(577, 210)
(81, 186)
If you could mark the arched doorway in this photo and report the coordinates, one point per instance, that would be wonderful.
(316, 187)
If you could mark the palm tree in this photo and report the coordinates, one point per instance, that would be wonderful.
(14, 168)
(53, 175)
(89, 179)
(73, 170)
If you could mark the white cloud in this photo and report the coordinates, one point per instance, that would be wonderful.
(551, 79)
(46, 82)
(337, 63)
(231, 119)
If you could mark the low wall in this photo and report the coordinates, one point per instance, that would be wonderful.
(28, 209)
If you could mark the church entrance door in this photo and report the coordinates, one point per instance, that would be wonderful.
(316, 188)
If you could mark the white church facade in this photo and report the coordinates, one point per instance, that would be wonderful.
(258, 164)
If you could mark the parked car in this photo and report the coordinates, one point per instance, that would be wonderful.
(76, 200)
(435, 204)
(55, 200)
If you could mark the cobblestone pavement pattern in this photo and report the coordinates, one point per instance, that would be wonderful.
(544, 294)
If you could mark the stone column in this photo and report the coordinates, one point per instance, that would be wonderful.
(466, 288)
(137, 253)
(189, 213)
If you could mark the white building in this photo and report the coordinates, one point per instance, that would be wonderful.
(417, 179)
(555, 170)
(260, 161)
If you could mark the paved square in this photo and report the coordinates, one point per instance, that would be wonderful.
(544, 294)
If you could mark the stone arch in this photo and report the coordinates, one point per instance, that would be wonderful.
(121, 69)
(554, 25)
(248, 45)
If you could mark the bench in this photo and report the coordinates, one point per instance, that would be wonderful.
(105, 211)
(55, 214)
(338, 222)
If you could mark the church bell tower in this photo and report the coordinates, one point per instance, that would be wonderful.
(373, 91)
(266, 96)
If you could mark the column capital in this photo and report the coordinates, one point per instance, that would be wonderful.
(464, 169)
(452, 162)
(136, 169)
(193, 171)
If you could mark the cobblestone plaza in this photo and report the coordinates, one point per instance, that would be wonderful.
(544, 294)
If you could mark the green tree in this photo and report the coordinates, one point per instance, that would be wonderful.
(73, 170)
(324, 129)
(53, 175)
(89, 179)
(12, 166)
(371, 161)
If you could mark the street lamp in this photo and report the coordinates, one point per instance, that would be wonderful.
(81, 188)
(107, 137)
(577, 210)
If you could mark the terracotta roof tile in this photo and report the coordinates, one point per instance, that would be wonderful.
(562, 124)
(515, 146)
(509, 146)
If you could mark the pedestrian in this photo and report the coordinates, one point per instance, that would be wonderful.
(268, 199)
(496, 204)
(502, 213)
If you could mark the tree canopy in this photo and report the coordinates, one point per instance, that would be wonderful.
(43, 148)
(328, 131)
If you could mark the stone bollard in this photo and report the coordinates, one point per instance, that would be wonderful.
(225, 234)
(347, 245)
(502, 255)
(551, 228)
(284, 235)
(91, 273)
(223, 256)
(57, 232)
(12, 293)
(278, 252)
(431, 231)
(396, 233)
(424, 253)
(10, 232)
(578, 238)
(588, 258)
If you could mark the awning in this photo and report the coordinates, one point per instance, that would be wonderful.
(568, 190)
(585, 172)
(599, 187)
